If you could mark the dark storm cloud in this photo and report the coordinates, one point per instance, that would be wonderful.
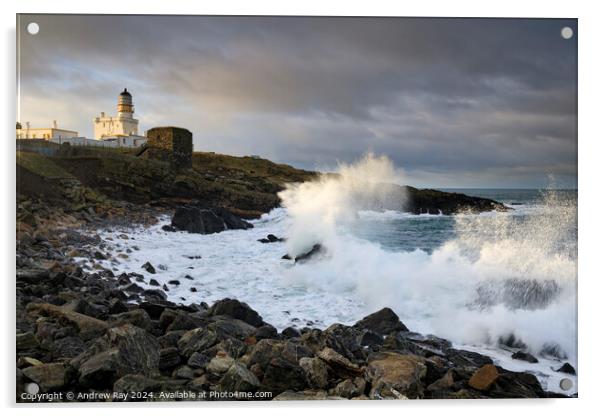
(488, 99)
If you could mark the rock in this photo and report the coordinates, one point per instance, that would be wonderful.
(197, 340)
(149, 268)
(265, 332)
(393, 375)
(23, 362)
(290, 332)
(136, 383)
(280, 375)
(524, 356)
(184, 372)
(126, 349)
(27, 341)
(316, 372)
(198, 360)
(153, 295)
(174, 282)
(382, 322)
(239, 378)
(196, 220)
(511, 384)
(484, 377)
(567, 368)
(271, 238)
(445, 382)
(350, 388)
(67, 347)
(219, 364)
(169, 228)
(338, 363)
(153, 282)
(137, 317)
(468, 359)
(236, 309)
(304, 395)
(315, 250)
(117, 306)
(49, 377)
(168, 358)
(87, 326)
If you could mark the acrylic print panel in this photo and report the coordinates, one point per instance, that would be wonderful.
(293, 208)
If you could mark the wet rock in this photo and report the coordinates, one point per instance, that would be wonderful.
(117, 306)
(67, 347)
(152, 295)
(395, 375)
(524, 356)
(271, 238)
(198, 360)
(49, 377)
(153, 282)
(169, 228)
(168, 358)
(174, 282)
(280, 375)
(468, 359)
(350, 388)
(316, 372)
(137, 317)
(184, 372)
(199, 221)
(315, 251)
(484, 377)
(445, 382)
(290, 332)
(265, 332)
(239, 378)
(149, 268)
(567, 368)
(236, 309)
(512, 384)
(382, 322)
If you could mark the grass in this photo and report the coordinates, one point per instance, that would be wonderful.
(41, 165)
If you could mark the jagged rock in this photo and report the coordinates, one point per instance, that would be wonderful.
(154, 295)
(468, 359)
(510, 384)
(236, 309)
(117, 306)
(198, 360)
(67, 347)
(265, 332)
(219, 364)
(567, 368)
(87, 326)
(271, 238)
(169, 228)
(197, 340)
(392, 375)
(445, 382)
(239, 378)
(206, 221)
(49, 377)
(183, 372)
(149, 268)
(153, 282)
(338, 363)
(382, 322)
(524, 356)
(484, 377)
(168, 358)
(137, 317)
(27, 341)
(126, 349)
(313, 252)
(316, 372)
(289, 395)
(350, 388)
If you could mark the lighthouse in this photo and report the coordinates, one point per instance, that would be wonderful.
(122, 125)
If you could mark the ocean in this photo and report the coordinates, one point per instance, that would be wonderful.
(474, 279)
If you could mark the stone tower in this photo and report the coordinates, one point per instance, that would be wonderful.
(170, 144)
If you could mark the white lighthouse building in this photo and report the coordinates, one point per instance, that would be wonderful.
(121, 129)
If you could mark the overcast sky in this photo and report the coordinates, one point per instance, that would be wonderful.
(453, 102)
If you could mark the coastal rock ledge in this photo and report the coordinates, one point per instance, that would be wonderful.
(89, 332)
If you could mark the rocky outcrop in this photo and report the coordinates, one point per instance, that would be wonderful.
(206, 221)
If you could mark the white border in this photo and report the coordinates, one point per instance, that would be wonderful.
(590, 70)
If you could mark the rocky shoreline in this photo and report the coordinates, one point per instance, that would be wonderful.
(103, 337)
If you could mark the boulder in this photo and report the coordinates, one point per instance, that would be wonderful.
(382, 322)
(206, 221)
(350, 388)
(197, 340)
(27, 341)
(338, 363)
(524, 356)
(124, 350)
(239, 378)
(49, 377)
(236, 309)
(149, 267)
(484, 377)
(395, 375)
(137, 317)
(567, 368)
(87, 326)
(168, 358)
(316, 372)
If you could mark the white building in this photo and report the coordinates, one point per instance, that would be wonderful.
(121, 129)
(44, 133)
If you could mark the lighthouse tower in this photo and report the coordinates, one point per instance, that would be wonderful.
(124, 124)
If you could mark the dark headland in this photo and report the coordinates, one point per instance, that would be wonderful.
(88, 331)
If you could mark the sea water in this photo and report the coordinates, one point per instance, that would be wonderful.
(474, 279)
